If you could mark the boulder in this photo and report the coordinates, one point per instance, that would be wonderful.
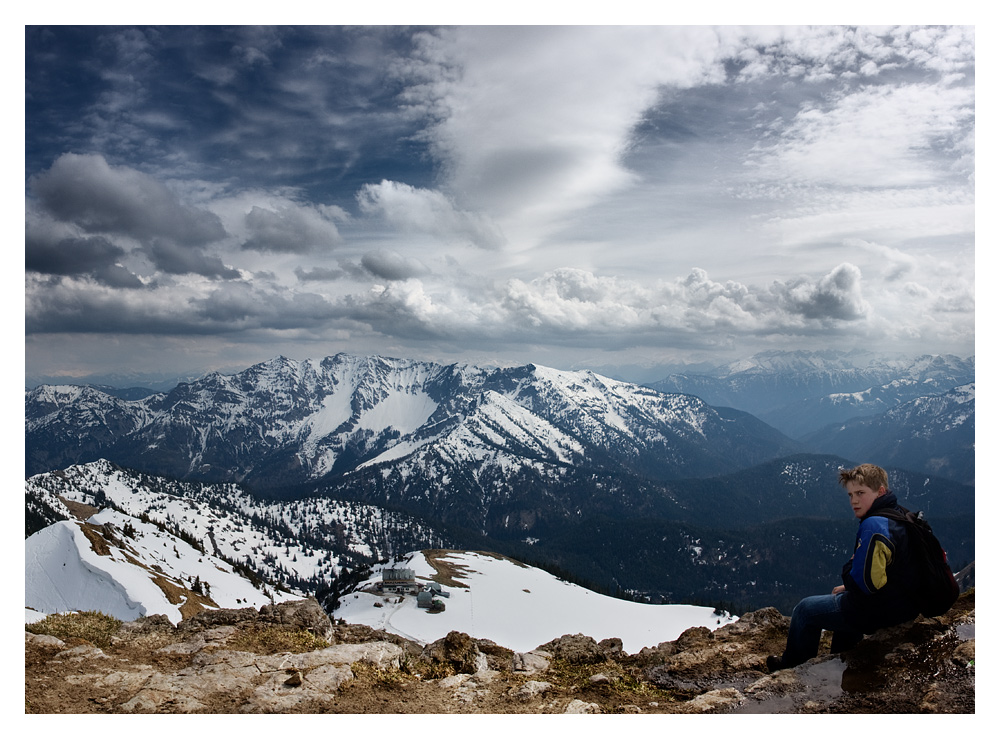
(531, 689)
(303, 615)
(576, 649)
(535, 661)
(457, 650)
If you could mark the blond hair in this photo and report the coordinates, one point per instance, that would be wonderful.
(869, 475)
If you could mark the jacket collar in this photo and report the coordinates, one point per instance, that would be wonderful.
(883, 501)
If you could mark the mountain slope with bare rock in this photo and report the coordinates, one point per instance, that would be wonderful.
(289, 658)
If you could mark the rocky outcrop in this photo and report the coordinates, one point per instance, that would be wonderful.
(578, 649)
(239, 661)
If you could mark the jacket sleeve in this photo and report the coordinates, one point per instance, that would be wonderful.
(867, 571)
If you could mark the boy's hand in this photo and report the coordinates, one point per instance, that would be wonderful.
(839, 589)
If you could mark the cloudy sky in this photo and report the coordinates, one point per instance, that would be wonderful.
(201, 198)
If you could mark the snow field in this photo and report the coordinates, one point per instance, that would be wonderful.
(64, 573)
(521, 608)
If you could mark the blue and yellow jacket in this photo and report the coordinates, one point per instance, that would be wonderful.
(881, 581)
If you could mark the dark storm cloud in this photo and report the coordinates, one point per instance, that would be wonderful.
(288, 231)
(389, 265)
(93, 256)
(70, 256)
(182, 260)
(73, 306)
(837, 296)
(86, 191)
(239, 306)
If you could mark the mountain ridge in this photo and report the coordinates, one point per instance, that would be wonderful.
(284, 421)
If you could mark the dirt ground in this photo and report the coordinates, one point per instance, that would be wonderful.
(49, 688)
(926, 666)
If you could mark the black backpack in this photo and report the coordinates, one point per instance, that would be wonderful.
(939, 591)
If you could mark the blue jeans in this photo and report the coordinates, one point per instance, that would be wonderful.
(810, 618)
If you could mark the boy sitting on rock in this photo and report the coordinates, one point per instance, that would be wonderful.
(879, 582)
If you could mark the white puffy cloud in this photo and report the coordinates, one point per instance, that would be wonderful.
(414, 209)
(575, 305)
(836, 296)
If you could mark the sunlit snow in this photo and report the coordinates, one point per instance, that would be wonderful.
(63, 572)
(520, 608)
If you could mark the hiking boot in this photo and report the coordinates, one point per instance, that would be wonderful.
(774, 663)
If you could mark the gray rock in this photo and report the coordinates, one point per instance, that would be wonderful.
(715, 701)
(696, 636)
(82, 652)
(218, 617)
(532, 689)
(43, 640)
(612, 648)
(287, 690)
(530, 662)
(272, 683)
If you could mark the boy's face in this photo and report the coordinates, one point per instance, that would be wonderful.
(862, 497)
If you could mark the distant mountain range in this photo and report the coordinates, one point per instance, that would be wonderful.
(801, 392)
(133, 566)
(286, 422)
(934, 434)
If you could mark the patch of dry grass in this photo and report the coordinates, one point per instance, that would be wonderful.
(620, 682)
(91, 626)
(369, 674)
(96, 539)
(447, 573)
(81, 511)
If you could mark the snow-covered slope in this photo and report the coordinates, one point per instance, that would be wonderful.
(121, 566)
(518, 607)
(303, 543)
